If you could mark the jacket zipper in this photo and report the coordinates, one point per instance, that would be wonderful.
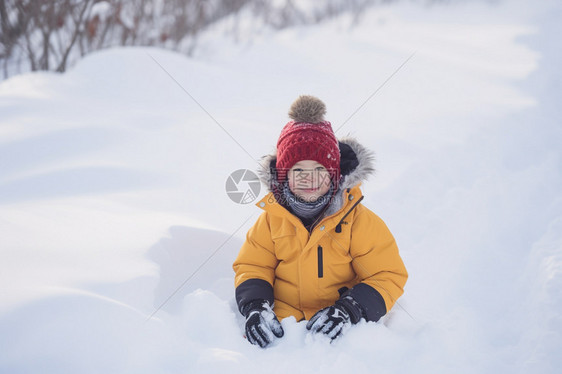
(338, 229)
(320, 263)
(338, 226)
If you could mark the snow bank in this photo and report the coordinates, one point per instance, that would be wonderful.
(117, 235)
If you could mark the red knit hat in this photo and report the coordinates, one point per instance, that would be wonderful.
(308, 137)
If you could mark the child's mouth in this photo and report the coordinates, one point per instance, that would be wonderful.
(308, 190)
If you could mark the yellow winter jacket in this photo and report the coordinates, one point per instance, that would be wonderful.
(308, 270)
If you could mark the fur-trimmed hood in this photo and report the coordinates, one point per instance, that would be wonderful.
(356, 165)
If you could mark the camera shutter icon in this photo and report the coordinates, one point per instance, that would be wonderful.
(243, 186)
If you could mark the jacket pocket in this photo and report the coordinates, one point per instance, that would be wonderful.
(281, 228)
(320, 262)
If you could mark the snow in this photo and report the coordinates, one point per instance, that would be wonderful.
(117, 236)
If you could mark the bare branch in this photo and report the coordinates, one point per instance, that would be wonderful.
(77, 32)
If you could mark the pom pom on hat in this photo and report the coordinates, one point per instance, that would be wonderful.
(308, 137)
(308, 109)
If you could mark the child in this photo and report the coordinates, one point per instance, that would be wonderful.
(315, 253)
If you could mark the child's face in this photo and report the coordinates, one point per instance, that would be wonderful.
(309, 180)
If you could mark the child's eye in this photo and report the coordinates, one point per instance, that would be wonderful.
(297, 169)
(320, 168)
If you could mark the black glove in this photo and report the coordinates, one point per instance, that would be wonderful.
(262, 325)
(333, 319)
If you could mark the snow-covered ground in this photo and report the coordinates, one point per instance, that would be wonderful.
(112, 195)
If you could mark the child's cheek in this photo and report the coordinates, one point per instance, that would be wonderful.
(294, 190)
